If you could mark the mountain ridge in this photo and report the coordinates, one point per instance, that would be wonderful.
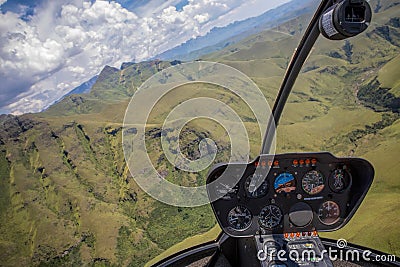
(220, 37)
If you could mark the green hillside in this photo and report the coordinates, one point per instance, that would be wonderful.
(66, 195)
(389, 75)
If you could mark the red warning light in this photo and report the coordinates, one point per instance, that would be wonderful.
(298, 234)
(291, 235)
(308, 161)
(295, 162)
(315, 233)
(256, 163)
(276, 163)
(301, 162)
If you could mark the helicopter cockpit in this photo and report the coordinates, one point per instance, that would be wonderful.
(301, 193)
(285, 200)
(272, 209)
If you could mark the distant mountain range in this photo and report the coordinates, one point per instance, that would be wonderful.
(219, 37)
(84, 87)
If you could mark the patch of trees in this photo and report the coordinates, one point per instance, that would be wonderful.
(387, 120)
(378, 98)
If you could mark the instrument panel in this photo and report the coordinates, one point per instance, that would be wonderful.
(288, 193)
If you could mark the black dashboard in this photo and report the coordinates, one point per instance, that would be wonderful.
(288, 193)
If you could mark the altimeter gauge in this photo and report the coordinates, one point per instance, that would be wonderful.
(313, 182)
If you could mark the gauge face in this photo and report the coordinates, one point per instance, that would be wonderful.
(239, 218)
(270, 216)
(301, 214)
(256, 186)
(226, 191)
(313, 182)
(285, 182)
(329, 212)
(339, 180)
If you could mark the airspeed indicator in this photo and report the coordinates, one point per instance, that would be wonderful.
(239, 218)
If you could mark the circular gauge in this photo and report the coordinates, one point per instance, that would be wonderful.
(339, 180)
(239, 218)
(256, 186)
(301, 214)
(270, 216)
(226, 191)
(285, 182)
(313, 182)
(329, 212)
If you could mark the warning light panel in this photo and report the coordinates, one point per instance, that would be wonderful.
(299, 235)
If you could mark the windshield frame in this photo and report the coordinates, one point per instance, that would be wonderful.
(296, 63)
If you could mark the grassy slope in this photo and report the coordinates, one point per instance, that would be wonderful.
(389, 76)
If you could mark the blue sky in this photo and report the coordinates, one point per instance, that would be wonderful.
(51, 46)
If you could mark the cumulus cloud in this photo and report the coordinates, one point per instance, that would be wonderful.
(65, 43)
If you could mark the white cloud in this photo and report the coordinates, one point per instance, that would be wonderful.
(67, 42)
